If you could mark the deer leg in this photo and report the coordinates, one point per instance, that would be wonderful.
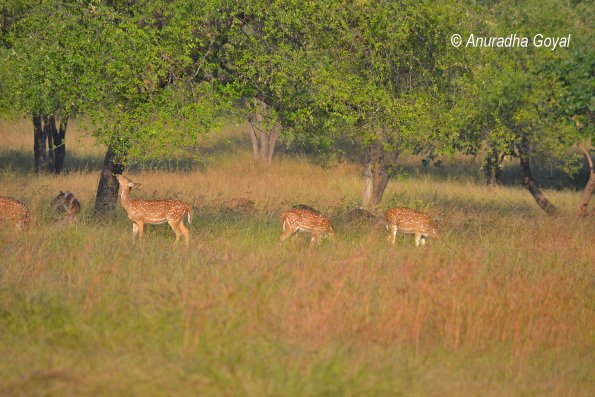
(134, 230)
(417, 239)
(176, 226)
(141, 229)
(184, 232)
(392, 237)
(287, 232)
(316, 238)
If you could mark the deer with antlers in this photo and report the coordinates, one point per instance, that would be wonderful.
(12, 210)
(408, 220)
(154, 212)
(68, 205)
(303, 218)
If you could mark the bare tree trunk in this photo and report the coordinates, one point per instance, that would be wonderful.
(493, 166)
(107, 190)
(262, 138)
(58, 149)
(367, 201)
(45, 132)
(529, 183)
(376, 173)
(39, 145)
(588, 192)
(49, 128)
(272, 140)
(263, 145)
(254, 140)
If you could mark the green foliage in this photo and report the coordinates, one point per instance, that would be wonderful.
(157, 98)
(136, 70)
(154, 76)
(47, 58)
(528, 92)
(382, 78)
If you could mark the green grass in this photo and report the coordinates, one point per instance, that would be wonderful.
(501, 306)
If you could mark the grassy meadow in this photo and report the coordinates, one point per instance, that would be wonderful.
(502, 305)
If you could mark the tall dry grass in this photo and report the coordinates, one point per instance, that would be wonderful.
(501, 305)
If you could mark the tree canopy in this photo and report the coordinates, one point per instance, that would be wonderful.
(152, 76)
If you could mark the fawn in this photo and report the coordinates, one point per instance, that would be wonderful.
(303, 218)
(66, 203)
(14, 211)
(153, 211)
(408, 220)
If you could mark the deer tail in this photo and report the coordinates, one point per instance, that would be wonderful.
(189, 213)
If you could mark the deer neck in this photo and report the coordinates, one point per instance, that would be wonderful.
(125, 197)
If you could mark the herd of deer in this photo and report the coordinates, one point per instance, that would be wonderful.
(301, 218)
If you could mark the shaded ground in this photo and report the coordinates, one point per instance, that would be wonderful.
(82, 155)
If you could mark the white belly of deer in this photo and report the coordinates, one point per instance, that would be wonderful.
(156, 221)
(153, 220)
(408, 230)
(306, 229)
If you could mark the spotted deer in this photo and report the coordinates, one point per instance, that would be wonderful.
(153, 211)
(14, 211)
(303, 218)
(408, 220)
(67, 204)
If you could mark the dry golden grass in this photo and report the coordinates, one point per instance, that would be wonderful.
(501, 306)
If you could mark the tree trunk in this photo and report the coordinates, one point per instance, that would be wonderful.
(49, 128)
(588, 192)
(107, 191)
(39, 148)
(529, 183)
(376, 174)
(263, 139)
(59, 144)
(264, 149)
(254, 140)
(271, 141)
(44, 130)
(493, 166)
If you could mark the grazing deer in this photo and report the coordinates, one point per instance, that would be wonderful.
(14, 211)
(408, 220)
(303, 218)
(153, 211)
(67, 204)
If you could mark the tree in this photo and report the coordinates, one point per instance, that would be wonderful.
(268, 58)
(588, 191)
(388, 82)
(519, 94)
(576, 75)
(46, 63)
(158, 95)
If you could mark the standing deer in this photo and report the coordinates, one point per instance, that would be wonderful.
(66, 203)
(14, 211)
(153, 211)
(408, 220)
(303, 218)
